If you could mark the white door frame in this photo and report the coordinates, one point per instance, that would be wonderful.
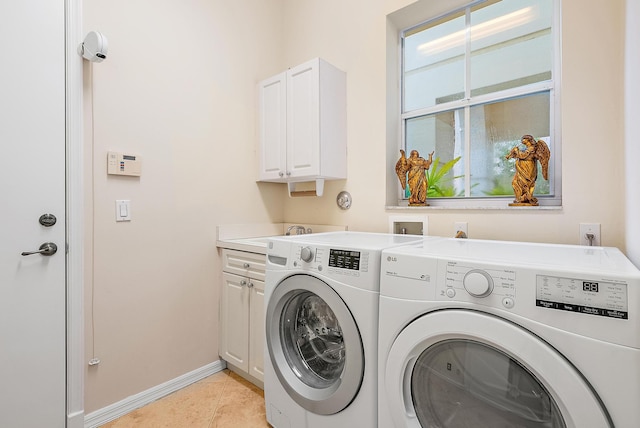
(75, 216)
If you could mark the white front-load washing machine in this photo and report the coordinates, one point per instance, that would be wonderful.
(321, 322)
(504, 334)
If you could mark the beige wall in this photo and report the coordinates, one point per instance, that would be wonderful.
(178, 89)
(352, 36)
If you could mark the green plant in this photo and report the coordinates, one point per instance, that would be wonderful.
(439, 179)
(501, 187)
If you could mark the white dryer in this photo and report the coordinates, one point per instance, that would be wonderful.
(321, 321)
(503, 334)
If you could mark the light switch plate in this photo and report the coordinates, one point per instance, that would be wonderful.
(123, 210)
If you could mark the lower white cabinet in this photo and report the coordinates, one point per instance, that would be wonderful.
(242, 312)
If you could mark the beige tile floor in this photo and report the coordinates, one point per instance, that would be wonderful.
(222, 400)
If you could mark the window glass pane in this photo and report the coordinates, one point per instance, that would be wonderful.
(498, 50)
(443, 134)
(511, 44)
(433, 63)
(495, 129)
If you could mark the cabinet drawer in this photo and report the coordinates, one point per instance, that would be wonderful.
(243, 263)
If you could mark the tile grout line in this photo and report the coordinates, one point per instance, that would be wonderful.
(219, 400)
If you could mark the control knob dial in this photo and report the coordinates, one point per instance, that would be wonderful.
(306, 254)
(478, 283)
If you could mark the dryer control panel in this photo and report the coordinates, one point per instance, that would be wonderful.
(603, 298)
(593, 292)
(487, 285)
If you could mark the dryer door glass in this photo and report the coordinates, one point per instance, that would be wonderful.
(312, 340)
(461, 383)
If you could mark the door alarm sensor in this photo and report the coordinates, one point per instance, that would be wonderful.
(94, 48)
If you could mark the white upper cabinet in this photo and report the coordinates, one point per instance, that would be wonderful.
(273, 127)
(303, 124)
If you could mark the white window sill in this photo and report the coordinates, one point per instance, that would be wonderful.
(550, 204)
(471, 207)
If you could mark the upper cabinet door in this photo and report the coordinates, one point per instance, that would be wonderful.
(303, 120)
(273, 138)
(303, 125)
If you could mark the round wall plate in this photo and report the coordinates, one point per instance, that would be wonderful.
(344, 200)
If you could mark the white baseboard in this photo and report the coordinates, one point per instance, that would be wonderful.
(121, 408)
(75, 420)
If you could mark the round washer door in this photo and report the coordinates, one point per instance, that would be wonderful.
(314, 344)
(460, 368)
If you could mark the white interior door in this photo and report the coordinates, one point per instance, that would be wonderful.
(32, 179)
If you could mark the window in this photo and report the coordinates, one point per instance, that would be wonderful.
(473, 83)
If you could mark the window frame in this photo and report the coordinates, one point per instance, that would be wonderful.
(465, 104)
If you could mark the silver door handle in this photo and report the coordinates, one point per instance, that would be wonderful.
(46, 249)
(246, 265)
(243, 283)
(250, 284)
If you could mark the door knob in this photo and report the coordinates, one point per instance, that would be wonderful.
(46, 249)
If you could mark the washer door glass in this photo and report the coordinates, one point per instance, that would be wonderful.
(314, 344)
(462, 383)
(312, 339)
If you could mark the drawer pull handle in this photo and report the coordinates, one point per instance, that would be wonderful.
(246, 265)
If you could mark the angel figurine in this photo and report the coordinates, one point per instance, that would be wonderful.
(417, 177)
(524, 180)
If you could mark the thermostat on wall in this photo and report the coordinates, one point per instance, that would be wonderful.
(123, 164)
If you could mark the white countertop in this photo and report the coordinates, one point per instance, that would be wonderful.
(251, 245)
(253, 237)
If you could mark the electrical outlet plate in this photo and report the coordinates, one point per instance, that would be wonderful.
(409, 224)
(592, 229)
(460, 226)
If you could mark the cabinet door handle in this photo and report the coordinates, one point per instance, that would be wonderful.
(243, 283)
(281, 173)
(250, 284)
(246, 265)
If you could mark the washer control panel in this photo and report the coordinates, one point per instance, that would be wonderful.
(306, 254)
(359, 268)
(339, 261)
